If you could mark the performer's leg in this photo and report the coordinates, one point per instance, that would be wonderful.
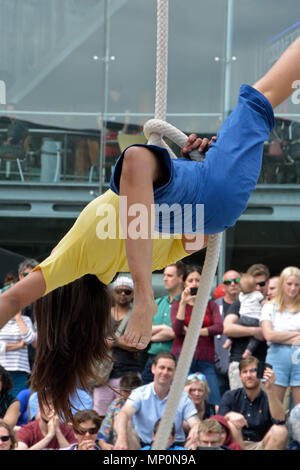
(139, 171)
(23, 293)
(276, 84)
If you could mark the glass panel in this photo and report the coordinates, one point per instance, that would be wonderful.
(275, 244)
(257, 44)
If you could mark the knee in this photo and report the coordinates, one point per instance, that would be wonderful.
(279, 433)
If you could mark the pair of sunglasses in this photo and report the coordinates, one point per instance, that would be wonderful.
(81, 432)
(261, 284)
(4, 438)
(126, 291)
(196, 376)
(229, 281)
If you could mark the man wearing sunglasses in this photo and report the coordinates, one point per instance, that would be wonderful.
(231, 288)
(240, 334)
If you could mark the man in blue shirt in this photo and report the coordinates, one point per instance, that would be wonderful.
(256, 416)
(146, 405)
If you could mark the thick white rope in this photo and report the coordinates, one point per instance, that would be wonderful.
(154, 130)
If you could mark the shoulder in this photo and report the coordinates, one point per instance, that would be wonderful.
(269, 309)
(141, 393)
(26, 319)
(8, 398)
(160, 300)
(231, 395)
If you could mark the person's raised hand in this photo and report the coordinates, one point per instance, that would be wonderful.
(196, 143)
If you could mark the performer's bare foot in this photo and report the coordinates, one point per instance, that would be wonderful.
(139, 328)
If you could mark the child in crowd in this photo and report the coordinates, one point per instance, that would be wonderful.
(250, 311)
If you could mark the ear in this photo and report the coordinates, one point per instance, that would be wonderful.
(153, 368)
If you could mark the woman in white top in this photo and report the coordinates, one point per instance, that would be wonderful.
(14, 338)
(281, 328)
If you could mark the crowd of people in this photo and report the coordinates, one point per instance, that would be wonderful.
(243, 387)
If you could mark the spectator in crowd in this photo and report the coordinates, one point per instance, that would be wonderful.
(45, 432)
(23, 397)
(261, 273)
(204, 356)
(86, 424)
(170, 444)
(146, 405)
(162, 332)
(125, 357)
(80, 400)
(219, 292)
(9, 280)
(197, 388)
(272, 287)
(9, 405)
(14, 338)
(210, 434)
(250, 311)
(231, 290)
(256, 416)
(24, 269)
(281, 327)
(8, 439)
(226, 435)
(240, 334)
(294, 429)
(107, 435)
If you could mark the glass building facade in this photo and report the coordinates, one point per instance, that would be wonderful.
(77, 81)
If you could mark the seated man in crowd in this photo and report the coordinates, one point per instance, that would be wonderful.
(256, 416)
(45, 432)
(146, 405)
(86, 425)
(170, 444)
(210, 434)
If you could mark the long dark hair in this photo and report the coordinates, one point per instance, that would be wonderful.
(73, 323)
(7, 383)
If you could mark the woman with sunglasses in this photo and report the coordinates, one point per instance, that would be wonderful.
(148, 176)
(281, 327)
(8, 439)
(181, 311)
(197, 388)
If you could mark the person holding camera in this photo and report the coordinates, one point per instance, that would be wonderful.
(181, 311)
(256, 416)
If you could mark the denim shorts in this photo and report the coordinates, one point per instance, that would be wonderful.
(285, 360)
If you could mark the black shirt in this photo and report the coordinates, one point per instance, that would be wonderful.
(257, 412)
(239, 345)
